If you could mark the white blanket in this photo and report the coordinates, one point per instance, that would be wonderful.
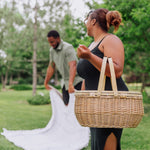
(63, 131)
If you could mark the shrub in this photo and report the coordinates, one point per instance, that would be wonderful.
(25, 81)
(58, 87)
(20, 87)
(39, 99)
(40, 87)
(146, 98)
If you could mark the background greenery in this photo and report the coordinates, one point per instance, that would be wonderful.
(17, 114)
(21, 31)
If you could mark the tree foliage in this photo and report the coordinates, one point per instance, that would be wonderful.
(17, 35)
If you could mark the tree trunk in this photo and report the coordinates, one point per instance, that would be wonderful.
(34, 52)
(143, 82)
(6, 77)
(3, 82)
(11, 80)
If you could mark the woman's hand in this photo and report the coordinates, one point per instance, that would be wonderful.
(83, 52)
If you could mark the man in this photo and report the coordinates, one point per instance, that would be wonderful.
(62, 57)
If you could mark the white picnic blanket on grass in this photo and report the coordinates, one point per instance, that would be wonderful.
(63, 132)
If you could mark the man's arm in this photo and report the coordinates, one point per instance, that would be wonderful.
(49, 74)
(72, 74)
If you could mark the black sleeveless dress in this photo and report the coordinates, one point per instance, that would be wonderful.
(91, 75)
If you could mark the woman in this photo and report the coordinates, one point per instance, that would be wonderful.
(98, 23)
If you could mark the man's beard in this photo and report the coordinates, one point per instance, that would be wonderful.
(56, 45)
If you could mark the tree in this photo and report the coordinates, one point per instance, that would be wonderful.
(27, 42)
(34, 50)
(3, 62)
(10, 20)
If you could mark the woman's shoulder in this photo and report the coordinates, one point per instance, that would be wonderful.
(112, 41)
(113, 38)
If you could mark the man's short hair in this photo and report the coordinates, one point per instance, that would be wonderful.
(53, 33)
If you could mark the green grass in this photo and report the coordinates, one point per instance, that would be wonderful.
(138, 138)
(17, 114)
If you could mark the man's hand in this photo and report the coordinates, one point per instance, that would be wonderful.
(49, 74)
(72, 73)
(71, 88)
(47, 87)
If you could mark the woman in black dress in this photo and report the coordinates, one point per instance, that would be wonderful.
(98, 23)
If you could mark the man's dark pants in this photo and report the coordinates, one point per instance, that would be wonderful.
(66, 94)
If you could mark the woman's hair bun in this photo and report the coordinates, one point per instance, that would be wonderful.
(113, 18)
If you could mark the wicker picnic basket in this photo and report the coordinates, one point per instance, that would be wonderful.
(108, 109)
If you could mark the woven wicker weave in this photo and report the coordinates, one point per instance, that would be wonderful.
(108, 109)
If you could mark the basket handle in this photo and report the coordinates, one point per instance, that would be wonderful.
(102, 76)
(102, 79)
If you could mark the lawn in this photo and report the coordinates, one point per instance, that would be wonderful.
(17, 114)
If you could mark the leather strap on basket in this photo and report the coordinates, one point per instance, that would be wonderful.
(102, 79)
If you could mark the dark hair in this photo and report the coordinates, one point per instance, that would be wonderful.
(53, 33)
(107, 18)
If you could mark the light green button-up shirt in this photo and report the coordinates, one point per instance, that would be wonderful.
(61, 57)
